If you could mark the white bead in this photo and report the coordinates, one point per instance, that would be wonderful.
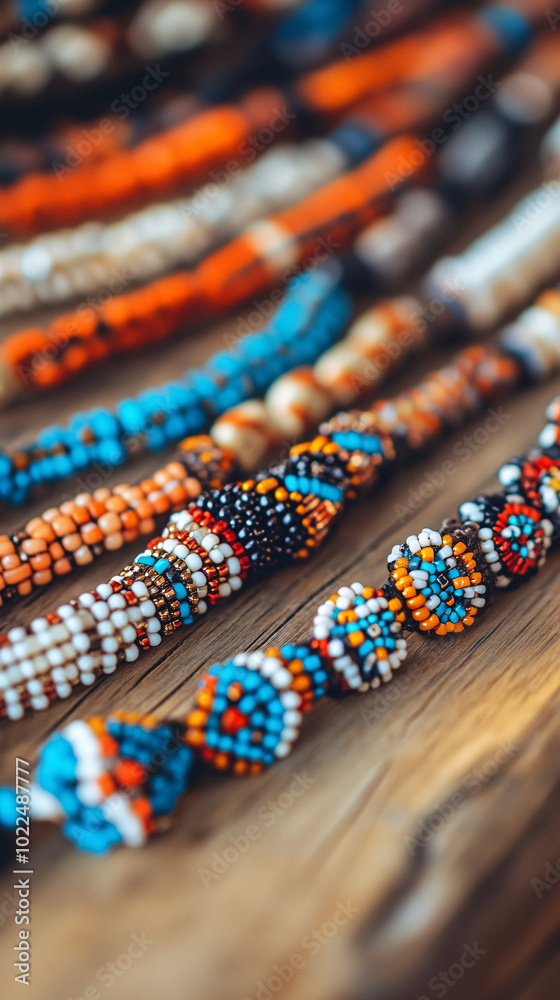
(292, 718)
(199, 579)
(100, 610)
(119, 618)
(131, 653)
(65, 611)
(55, 657)
(193, 561)
(109, 644)
(16, 634)
(139, 588)
(81, 642)
(153, 625)
(224, 590)
(106, 628)
(203, 607)
(210, 541)
(182, 552)
(128, 634)
(87, 600)
(154, 639)
(39, 625)
(290, 699)
(413, 543)
(104, 590)
(148, 609)
(235, 582)
(116, 601)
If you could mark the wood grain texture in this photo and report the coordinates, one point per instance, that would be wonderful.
(422, 812)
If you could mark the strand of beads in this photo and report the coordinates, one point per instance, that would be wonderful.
(265, 252)
(64, 538)
(187, 151)
(110, 781)
(57, 266)
(377, 344)
(311, 317)
(238, 532)
(61, 540)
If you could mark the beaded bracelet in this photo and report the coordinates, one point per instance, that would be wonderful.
(111, 780)
(237, 533)
(58, 266)
(309, 319)
(269, 250)
(509, 257)
(212, 138)
(302, 38)
(66, 537)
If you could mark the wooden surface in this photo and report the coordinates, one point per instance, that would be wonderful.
(465, 741)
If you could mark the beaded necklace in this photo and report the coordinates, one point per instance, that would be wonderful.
(304, 36)
(509, 263)
(210, 139)
(57, 266)
(112, 780)
(270, 250)
(69, 536)
(236, 533)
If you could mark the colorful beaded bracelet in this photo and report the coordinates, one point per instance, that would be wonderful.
(110, 780)
(211, 138)
(237, 533)
(270, 250)
(311, 317)
(80, 530)
(57, 266)
(509, 256)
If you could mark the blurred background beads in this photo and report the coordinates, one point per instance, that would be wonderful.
(537, 478)
(358, 632)
(514, 536)
(109, 780)
(442, 581)
(311, 316)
